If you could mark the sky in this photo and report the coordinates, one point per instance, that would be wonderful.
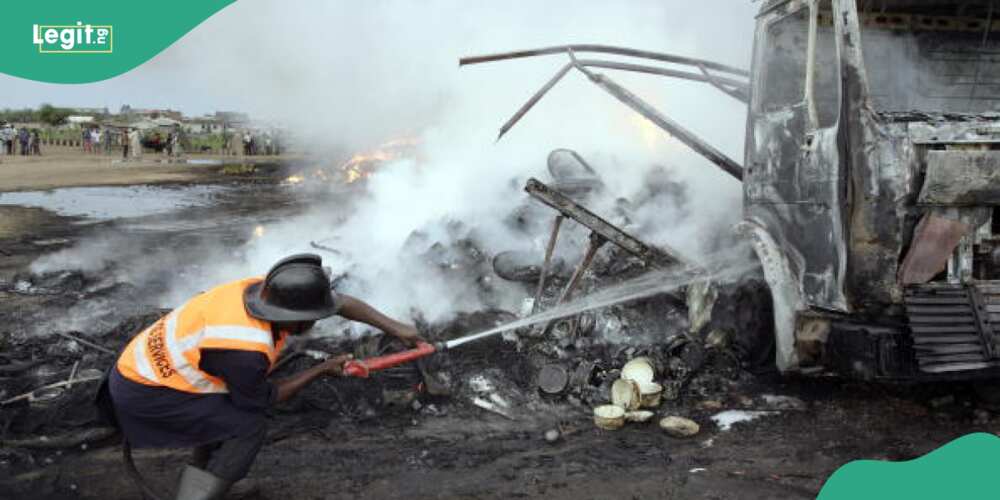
(392, 61)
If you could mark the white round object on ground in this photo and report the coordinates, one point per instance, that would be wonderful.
(609, 417)
(639, 369)
(625, 393)
(679, 426)
(638, 416)
(552, 435)
(650, 394)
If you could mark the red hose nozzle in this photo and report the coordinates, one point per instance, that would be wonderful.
(362, 368)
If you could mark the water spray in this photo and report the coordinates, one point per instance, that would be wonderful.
(644, 286)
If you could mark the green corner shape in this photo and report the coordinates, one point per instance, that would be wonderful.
(139, 31)
(966, 468)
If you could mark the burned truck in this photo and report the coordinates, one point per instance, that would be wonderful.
(871, 177)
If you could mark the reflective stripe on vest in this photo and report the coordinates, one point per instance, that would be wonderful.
(168, 353)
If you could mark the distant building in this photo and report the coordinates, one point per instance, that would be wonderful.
(232, 118)
(90, 111)
(151, 114)
(79, 120)
(202, 125)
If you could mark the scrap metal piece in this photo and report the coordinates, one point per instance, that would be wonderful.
(548, 260)
(569, 208)
(739, 92)
(675, 129)
(701, 298)
(552, 379)
(732, 87)
(596, 242)
(787, 296)
(492, 407)
(571, 174)
(961, 178)
(952, 328)
(736, 89)
(606, 49)
(583, 374)
(982, 315)
(934, 240)
(537, 96)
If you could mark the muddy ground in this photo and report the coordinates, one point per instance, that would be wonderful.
(61, 166)
(335, 441)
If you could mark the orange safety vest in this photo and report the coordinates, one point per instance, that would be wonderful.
(168, 353)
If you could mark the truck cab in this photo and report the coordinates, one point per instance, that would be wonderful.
(871, 181)
(871, 178)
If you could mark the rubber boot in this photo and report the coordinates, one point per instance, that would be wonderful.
(197, 484)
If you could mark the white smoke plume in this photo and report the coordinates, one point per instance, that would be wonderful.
(349, 76)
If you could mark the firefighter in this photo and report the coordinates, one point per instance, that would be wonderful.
(198, 376)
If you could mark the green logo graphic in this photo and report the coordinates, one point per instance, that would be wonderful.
(964, 468)
(78, 39)
(68, 41)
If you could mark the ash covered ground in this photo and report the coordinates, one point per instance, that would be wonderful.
(507, 417)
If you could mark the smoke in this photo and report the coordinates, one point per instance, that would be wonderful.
(349, 76)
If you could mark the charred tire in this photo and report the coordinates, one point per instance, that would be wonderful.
(752, 314)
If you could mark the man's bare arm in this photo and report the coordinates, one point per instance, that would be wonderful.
(288, 387)
(357, 310)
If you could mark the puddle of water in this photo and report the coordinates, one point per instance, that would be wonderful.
(114, 202)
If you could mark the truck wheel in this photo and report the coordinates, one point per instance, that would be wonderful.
(754, 325)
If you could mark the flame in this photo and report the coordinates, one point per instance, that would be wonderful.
(258, 231)
(362, 165)
(353, 175)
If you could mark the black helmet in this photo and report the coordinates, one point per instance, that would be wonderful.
(295, 289)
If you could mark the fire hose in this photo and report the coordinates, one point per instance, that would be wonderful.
(362, 368)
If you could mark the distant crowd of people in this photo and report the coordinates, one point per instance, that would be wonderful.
(253, 143)
(131, 141)
(21, 141)
(96, 141)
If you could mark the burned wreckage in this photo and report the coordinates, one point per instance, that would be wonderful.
(870, 178)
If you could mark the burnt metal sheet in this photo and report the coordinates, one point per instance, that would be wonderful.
(796, 191)
(936, 300)
(654, 256)
(959, 366)
(941, 320)
(939, 309)
(934, 239)
(795, 181)
(945, 339)
(961, 178)
(951, 349)
(674, 128)
(731, 84)
(951, 359)
(934, 329)
(879, 160)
